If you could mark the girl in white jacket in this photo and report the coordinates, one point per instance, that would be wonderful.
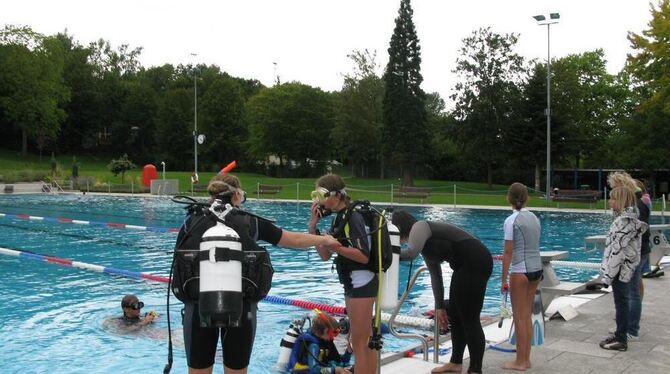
(621, 257)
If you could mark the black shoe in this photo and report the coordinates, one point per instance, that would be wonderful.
(613, 345)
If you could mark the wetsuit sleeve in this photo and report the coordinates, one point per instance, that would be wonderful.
(418, 236)
(313, 364)
(268, 232)
(436, 282)
(357, 233)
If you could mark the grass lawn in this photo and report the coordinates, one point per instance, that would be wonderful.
(15, 168)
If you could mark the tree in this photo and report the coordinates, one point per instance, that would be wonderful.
(31, 77)
(357, 132)
(644, 135)
(174, 133)
(121, 166)
(291, 121)
(442, 145)
(490, 74)
(79, 130)
(222, 115)
(404, 111)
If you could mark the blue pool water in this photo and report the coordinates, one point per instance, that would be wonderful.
(52, 316)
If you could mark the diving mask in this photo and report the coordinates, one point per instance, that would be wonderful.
(135, 306)
(322, 193)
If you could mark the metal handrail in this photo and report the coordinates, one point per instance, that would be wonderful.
(424, 341)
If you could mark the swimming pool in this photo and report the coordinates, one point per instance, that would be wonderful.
(52, 316)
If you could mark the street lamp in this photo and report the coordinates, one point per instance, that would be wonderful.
(542, 20)
(194, 177)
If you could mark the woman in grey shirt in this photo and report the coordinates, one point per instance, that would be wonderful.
(472, 264)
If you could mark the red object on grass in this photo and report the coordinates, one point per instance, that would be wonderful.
(148, 174)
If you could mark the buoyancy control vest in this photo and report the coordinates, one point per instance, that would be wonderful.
(298, 362)
(257, 270)
(379, 239)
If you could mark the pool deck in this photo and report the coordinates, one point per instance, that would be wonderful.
(572, 346)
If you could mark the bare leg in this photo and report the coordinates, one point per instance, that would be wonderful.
(200, 371)
(521, 309)
(228, 370)
(360, 317)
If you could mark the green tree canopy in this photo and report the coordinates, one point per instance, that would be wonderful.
(32, 91)
(358, 130)
(291, 121)
(489, 73)
(404, 133)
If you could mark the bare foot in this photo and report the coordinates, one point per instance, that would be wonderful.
(513, 365)
(448, 368)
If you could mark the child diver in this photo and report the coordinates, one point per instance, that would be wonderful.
(314, 351)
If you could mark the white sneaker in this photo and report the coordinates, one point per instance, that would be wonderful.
(633, 338)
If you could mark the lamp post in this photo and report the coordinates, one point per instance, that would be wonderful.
(194, 177)
(542, 20)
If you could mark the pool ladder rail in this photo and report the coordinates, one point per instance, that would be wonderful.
(421, 338)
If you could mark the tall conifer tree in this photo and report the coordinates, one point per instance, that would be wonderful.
(404, 132)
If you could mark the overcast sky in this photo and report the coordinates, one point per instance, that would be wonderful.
(310, 39)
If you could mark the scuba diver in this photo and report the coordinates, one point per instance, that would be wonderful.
(360, 284)
(314, 351)
(238, 333)
(131, 320)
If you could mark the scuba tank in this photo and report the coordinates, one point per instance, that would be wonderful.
(390, 278)
(220, 256)
(286, 345)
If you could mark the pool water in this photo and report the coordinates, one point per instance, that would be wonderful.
(53, 316)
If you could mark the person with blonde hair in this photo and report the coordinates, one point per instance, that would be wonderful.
(623, 179)
(201, 342)
(620, 260)
(521, 261)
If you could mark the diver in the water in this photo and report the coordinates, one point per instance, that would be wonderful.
(131, 320)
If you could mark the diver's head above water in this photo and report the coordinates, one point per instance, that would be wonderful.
(131, 307)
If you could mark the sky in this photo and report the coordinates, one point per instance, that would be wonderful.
(309, 40)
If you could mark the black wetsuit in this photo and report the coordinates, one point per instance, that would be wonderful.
(237, 342)
(472, 265)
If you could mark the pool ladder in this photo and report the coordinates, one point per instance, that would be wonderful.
(422, 339)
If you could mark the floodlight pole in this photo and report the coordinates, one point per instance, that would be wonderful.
(541, 20)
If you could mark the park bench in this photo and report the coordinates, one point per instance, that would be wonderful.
(588, 196)
(408, 192)
(576, 195)
(267, 189)
(551, 286)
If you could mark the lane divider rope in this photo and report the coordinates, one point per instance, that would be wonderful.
(309, 305)
(114, 225)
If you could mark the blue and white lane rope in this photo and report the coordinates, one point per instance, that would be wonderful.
(114, 225)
